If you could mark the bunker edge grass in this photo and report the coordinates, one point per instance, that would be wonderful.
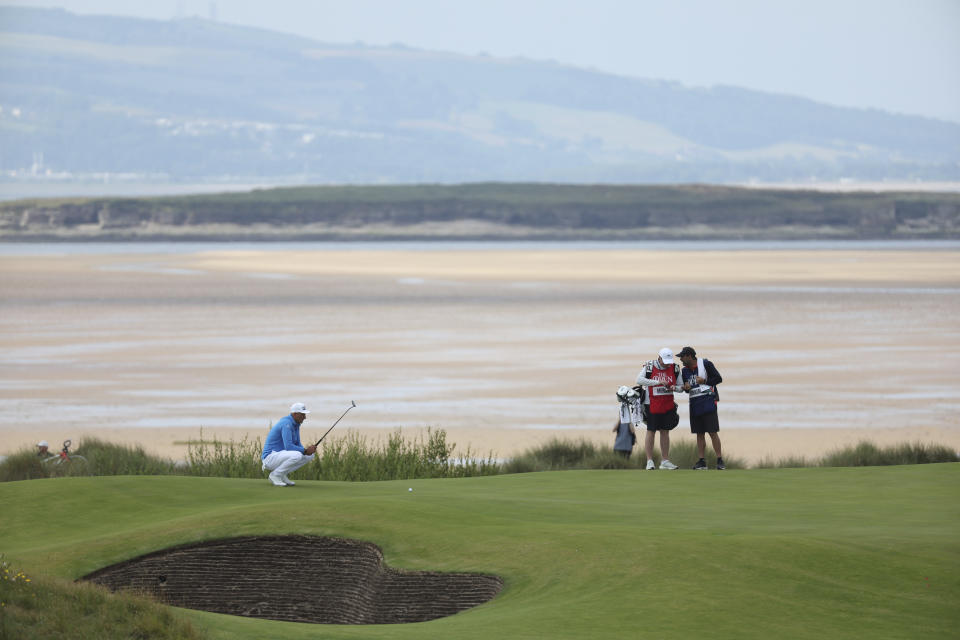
(47, 608)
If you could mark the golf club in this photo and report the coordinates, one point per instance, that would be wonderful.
(352, 405)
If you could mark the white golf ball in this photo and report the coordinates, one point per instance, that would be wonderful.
(410, 489)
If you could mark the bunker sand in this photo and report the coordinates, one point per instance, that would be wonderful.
(503, 348)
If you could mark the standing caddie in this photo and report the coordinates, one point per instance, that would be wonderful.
(282, 452)
(661, 377)
(700, 380)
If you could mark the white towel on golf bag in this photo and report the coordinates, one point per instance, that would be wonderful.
(700, 389)
(630, 413)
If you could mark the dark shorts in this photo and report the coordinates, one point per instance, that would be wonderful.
(707, 423)
(663, 421)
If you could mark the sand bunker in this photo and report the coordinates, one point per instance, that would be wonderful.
(297, 579)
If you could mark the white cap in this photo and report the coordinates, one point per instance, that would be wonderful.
(43, 443)
(666, 355)
(299, 407)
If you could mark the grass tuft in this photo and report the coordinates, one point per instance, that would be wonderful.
(110, 459)
(867, 454)
(790, 462)
(554, 455)
(42, 607)
(231, 459)
(22, 465)
(353, 458)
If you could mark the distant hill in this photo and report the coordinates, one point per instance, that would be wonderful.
(490, 211)
(199, 100)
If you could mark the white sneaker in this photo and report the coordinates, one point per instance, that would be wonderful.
(277, 479)
(650, 465)
(287, 481)
(666, 464)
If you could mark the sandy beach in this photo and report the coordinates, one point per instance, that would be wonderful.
(502, 347)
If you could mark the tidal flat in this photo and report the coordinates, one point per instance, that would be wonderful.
(504, 346)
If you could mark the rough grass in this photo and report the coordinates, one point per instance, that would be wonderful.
(352, 457)
(557, 455)
(37, 607)
(110, 459)
(358, 459)
(23, 465)
(867, 454)
(99, 458)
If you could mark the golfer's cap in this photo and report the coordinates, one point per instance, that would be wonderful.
(666, 355)
(43, 443)
(687, 351)
(299, 407)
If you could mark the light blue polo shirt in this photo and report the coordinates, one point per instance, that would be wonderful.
(283, 436)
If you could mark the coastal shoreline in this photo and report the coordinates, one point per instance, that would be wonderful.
(502, 348)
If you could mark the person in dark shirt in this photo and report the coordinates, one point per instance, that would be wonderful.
(700, 380)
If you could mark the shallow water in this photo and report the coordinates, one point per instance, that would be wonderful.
(167, 248)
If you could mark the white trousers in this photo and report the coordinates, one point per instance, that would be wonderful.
(284, 462)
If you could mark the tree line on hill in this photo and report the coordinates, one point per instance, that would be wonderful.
(491, 211)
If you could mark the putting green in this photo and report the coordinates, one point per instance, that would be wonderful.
(800, 553)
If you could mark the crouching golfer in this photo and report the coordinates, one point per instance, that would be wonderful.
(282, 453)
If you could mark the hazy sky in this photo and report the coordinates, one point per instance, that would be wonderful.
(896, 55)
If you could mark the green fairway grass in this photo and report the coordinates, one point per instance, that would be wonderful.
(869, 552)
